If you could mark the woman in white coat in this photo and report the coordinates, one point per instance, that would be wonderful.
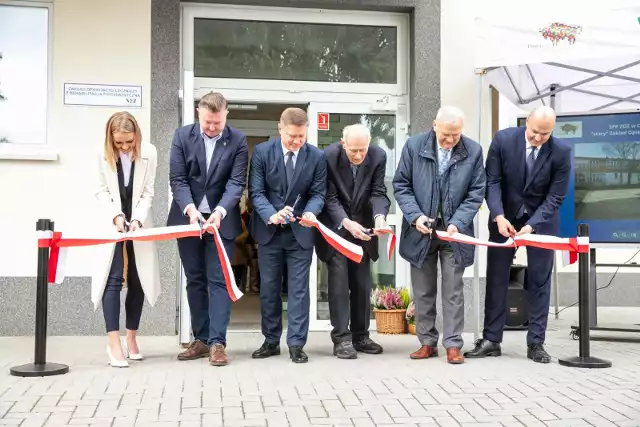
(127, 170)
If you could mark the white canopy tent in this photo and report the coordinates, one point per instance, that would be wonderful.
(589, 56)
(575, 56)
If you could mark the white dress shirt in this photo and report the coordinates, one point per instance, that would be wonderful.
(125, 161)
(294, 158)
(529, 148)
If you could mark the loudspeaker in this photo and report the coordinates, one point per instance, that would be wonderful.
(517, 299)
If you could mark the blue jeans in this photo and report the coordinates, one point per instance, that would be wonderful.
(209, 301)
(111, 296)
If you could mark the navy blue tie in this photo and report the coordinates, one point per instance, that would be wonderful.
(354, 171)
(531, 160)
(288, 168)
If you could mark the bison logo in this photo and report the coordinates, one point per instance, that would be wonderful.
(566, 128)
(557, 32)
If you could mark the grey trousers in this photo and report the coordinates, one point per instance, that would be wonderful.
(425, 290)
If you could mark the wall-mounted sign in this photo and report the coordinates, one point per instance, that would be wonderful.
(102, 95)
(323, 121)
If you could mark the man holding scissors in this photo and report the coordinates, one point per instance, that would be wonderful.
(287, 180)
(439, 184)
(207, 173)
(528, 173)
(356, 203)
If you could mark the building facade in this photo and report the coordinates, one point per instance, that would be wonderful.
(375, 62)
(387, 63)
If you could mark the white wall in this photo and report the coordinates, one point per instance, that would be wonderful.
(94, 41)
(459, 86)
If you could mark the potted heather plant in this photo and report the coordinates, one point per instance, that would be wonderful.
(390, 307)
(411, 318)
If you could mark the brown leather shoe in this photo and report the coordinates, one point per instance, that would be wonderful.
(218, 356)
(196, 350)
(424, 352)
(454, 356)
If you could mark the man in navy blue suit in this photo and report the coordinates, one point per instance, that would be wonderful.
(527, 180)
(207, 173)
(287, 180)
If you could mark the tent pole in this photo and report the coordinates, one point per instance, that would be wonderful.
(476, 226)
(554, 281)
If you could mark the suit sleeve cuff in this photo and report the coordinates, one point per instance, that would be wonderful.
(342, 223)
(187, 208)
(222, 210)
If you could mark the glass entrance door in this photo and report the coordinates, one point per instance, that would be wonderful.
(388, 126)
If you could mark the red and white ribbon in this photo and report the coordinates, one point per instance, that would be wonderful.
(345, 247)
(59, 243)
(571, 244)
(391, 241)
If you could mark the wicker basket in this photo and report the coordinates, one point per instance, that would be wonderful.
(412, 328)
(390, 321)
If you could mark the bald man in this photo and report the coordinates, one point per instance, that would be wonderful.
(527, 180)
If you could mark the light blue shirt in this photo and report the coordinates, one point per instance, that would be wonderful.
(209, 147)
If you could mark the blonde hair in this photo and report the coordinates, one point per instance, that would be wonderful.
(121, 122)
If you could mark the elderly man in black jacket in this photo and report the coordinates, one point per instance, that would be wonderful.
(356, 202)
(439, 185)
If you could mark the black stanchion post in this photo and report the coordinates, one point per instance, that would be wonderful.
(584, 360)
(40, 367)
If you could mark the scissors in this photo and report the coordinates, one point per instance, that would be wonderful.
(286, 219)
(201, 225)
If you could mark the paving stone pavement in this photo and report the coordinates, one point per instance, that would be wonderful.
(383, 390)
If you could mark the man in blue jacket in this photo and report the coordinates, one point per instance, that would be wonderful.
(287, 180)
(439, 185)
(207, 173)
(527, 181)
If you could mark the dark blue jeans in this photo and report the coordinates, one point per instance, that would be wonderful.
(111, 296)
(209, 301)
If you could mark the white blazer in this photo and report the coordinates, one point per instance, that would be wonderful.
(108, 196)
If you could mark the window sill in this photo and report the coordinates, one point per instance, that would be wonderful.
(35, 152)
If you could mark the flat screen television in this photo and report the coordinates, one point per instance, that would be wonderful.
(604, 188)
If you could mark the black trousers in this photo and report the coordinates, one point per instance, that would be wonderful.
(349, 298)
(111, 296)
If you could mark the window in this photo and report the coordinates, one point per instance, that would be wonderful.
(295, 51)
(24, 73)
(383, 134)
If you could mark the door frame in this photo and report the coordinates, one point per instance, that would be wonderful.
(346, 97)
(399, 108)
(317, 102)
(192, 11)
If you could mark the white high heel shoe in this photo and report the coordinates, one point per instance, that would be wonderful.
(131, 356)
(115, 362)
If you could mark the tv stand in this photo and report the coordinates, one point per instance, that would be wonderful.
(593, 305)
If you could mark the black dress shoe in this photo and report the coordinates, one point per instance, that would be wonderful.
(297, 355)
(537, 353)
(484, 348)
(266, 350)
(368, 346)
(344, 350)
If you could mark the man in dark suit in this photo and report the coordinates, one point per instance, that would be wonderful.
(356, 202)
(287, 180)
(207, 173)
(527, 180)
